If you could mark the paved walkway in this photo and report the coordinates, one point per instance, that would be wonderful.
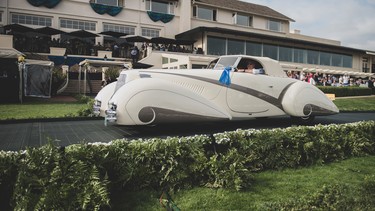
(17, 136)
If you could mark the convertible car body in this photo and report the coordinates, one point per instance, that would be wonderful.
(220, 92)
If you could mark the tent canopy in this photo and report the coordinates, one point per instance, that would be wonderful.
(162, 40)
(49, 31)
(10, 53)
(18, 28)
(82, 34)
(113, 34)
(94, 62)
(137, 39)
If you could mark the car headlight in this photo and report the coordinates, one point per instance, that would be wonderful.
(98, 103)
(112, 106)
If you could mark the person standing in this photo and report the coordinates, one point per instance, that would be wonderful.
(345, 79)
(134, 54)
(370, 83)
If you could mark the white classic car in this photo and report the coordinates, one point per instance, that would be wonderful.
(220, 92)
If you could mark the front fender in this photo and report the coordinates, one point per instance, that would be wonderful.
(104, 95)
(155, 101)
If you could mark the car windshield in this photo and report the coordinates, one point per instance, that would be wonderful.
(212, 64)
(120, 81)
(225, 62)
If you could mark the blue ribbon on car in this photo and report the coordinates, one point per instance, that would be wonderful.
(225, 76)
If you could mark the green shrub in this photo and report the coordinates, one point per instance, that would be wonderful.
(88, 109)
(51, 179)
(8, 174)
(83, 98)
(83, 175)
(173, 163)
(113, 72)
(346, 90)
(228, 170)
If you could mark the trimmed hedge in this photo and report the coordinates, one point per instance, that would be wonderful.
(346, 90)
(82, 176)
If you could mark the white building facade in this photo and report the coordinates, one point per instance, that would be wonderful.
(218, 27)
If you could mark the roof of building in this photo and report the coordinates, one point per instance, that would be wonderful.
(245, 7)
(199, 30)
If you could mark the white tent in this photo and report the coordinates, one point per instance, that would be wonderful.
(9, 53)
(86, 64)
(37, 78)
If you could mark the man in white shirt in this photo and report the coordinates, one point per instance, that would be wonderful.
(345, 79)
(250, 68)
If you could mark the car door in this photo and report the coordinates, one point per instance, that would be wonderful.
(247, 92)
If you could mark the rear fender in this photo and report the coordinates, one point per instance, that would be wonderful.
(303, 99)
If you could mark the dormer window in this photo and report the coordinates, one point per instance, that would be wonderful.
(204, 13)
(160, 6)
(242, 19)
(274, 25)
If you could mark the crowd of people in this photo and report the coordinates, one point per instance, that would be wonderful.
(321, 79)
(87, 46)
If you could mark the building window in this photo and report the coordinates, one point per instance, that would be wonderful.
(216, 46)
(77, 24)
(337, 60)
(150, 32)
(236, 47)
(274, 26)
(253, 49)
(164, 60)
(312, 57)
(223, 46)
(347, 61)
(108, 2)
(270, 51)
(119, 28)
(1, 17)
(325, 58)
(242, 20)
(299, 55)
(160, 6)
(31, 19)
(285, 54)
(204, 13)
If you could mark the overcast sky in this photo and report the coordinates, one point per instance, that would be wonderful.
(350, 21)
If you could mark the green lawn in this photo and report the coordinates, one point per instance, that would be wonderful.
(268, 187)
(356, 104)
(32, 110)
